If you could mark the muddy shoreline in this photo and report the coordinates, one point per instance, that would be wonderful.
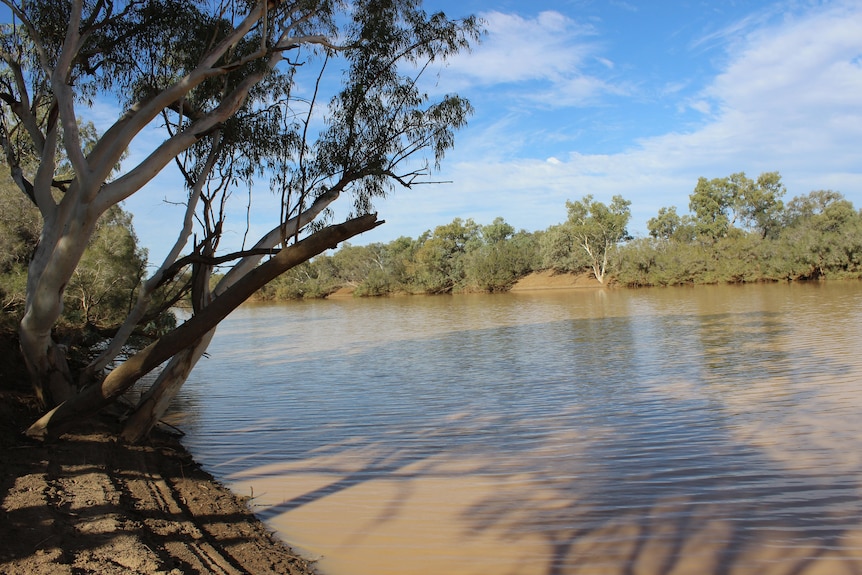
(90, 505)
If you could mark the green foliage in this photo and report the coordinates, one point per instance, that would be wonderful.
(822, 237)
(104, 284)
(598, 229)
(19, 231)
(439, 262)
(762, 206)
(497, 265)
(497, 231)
(752, 237)
(722, 203)
(558, 250)
(668, 225)
(459, 256)
(312, 279)
(103, 287)
(744, 233)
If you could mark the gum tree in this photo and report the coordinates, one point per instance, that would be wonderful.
(597, 228)
(722, 204)
(319, 97)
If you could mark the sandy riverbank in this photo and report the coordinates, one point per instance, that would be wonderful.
(550, 280)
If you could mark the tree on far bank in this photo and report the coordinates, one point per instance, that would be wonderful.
(318, 97)
(598, 228)
(721, 205)
(821, 236)
(438, 262)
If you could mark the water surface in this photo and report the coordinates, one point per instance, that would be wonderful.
(704, 430)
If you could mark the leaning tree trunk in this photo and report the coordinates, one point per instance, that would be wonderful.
(93, 398)
(155, 402)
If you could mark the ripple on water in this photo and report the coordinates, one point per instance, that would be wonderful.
(709, 430)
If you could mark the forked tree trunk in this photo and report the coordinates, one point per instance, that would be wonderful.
(93, 398)
(48, 273)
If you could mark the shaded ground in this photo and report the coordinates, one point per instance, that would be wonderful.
(88, 505)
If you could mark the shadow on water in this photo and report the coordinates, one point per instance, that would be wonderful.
(649, 444)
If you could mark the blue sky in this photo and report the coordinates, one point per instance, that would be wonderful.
(613, 97)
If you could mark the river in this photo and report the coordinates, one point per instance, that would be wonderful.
(708, 430)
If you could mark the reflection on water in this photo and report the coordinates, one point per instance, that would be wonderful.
(706, 431)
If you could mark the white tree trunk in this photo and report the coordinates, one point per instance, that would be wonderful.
(50, 270)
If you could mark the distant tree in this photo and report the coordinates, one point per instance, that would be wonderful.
(665, 225)
(559, 252)
(353, 263)
(715, 204)
(598, 229)
(822, 236)
(722, 204)
(502, 258)
(762, 207)
(103, 288)
(399, 255)
(497, 231)
(312, 279)
(438, 264)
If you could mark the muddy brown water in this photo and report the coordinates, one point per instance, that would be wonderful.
(708, 430)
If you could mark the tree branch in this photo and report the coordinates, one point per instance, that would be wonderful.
(93, 398)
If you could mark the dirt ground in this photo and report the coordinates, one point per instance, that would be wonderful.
(89, 505)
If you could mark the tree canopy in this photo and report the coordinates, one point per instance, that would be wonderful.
(319, 98)
(813, 236)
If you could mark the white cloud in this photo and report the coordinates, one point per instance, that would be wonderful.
(548, 47)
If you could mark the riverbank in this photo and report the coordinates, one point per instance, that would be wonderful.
(551, 280)
(536, 281)
(89, 505)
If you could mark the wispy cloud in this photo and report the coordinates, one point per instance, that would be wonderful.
(547, 60)
(517, 49)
